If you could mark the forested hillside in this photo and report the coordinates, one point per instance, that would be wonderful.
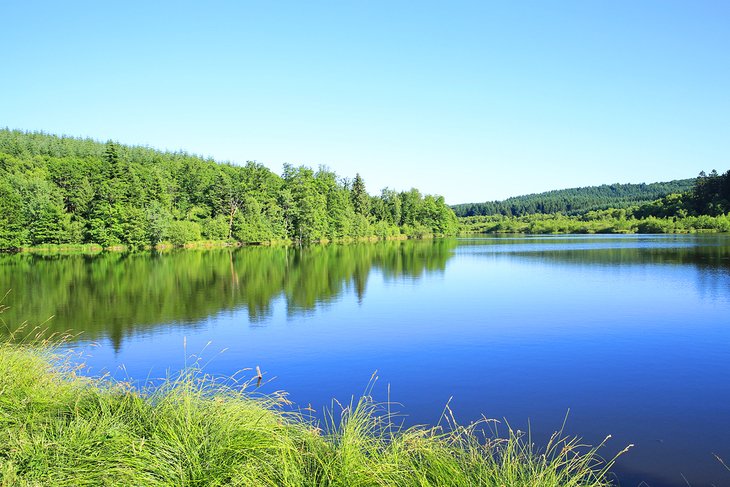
(709, 195)
(61, 190)
(576, 201)
(704, 208)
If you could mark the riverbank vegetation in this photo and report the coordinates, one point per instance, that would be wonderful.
(606, 221)
(58, 428)
(63, 190)
(705, 207)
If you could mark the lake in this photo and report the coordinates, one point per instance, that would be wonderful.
(630, 334)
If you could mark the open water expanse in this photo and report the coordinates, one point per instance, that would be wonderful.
(631, 334)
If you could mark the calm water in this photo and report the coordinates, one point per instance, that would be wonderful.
(629, 333)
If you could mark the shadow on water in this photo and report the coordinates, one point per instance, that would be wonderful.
(114, 295)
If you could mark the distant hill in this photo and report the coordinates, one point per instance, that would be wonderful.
(576, 201)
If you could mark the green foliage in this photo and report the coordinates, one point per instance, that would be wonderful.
(135, 228)
(711, 194)
(360, 198)
(576, 201)
(704, 208)
(308, 211)
(158, 223)
(215, 228)
(180, 232)
(64, 190)
(43, 211)
(12, 221)
(392, 204)
(594, 222)
(59, 429)
(255, 224)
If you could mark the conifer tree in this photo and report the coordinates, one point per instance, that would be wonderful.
(360, 198)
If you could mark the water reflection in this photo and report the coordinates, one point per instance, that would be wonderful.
(116, 295)
(628, 332)
(708, 255)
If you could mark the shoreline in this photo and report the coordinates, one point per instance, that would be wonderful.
(60, 427)
(207, 244)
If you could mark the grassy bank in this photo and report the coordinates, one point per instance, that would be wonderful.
(58, 428)
(594, 222)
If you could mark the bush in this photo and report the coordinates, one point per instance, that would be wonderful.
(655, 225)
(215, 228)
(180, 232)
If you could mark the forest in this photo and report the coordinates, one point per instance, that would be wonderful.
(705, 207)
(576, 201)
(66, 190)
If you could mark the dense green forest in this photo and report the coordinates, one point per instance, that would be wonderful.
(65, 190)
(576, 201)
(704, 207)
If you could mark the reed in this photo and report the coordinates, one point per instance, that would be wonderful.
(59, 428)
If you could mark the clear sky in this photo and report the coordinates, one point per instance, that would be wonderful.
(472, 100)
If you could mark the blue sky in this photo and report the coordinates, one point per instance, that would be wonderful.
(472, 100)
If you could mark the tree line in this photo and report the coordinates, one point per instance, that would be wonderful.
(705, 207)
(710, 195)
(576, 201)
(66, 190)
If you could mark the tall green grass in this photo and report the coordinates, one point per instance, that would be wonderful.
(59, 428)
